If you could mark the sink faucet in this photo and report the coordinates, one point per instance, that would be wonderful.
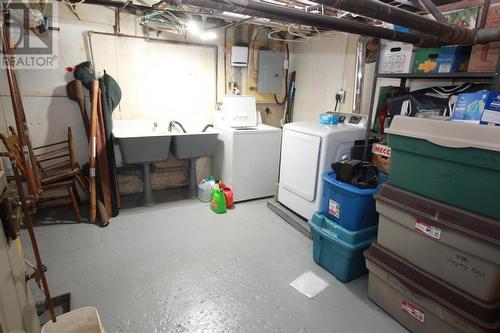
(175, 123)
(155, 125)
(206, 127)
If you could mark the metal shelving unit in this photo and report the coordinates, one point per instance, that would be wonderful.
(478, 75)
(492, 77)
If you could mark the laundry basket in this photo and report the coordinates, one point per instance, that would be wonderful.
(83, 320)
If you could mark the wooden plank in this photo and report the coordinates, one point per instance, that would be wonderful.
(28, 222)
(29, 166)
(93, 151)
(102, 159)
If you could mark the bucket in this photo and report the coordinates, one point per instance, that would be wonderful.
(83, 320)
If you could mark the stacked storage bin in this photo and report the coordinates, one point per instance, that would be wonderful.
(345, 227)
(436, 264)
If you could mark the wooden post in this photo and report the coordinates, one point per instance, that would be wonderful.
(102, 159)
(29, 225)
(93, 150)
(30, 166)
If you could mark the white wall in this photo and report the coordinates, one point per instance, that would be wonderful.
(323, 67)
(48, 110)
(159, 80)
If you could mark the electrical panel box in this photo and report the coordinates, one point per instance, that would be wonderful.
(239, 56)
(271, 73)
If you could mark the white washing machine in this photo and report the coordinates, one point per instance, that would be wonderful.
(308, 150)
(247, 159)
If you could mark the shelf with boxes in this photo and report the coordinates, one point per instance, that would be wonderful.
(443, 76)
(397, 61)
(401, 61)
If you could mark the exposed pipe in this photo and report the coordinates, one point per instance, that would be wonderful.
(430, 7)
(207, 127)
(484, 15)
(359, 72)
(131, 7)
(263, 10)
(134, 7)
(28, 222)
(448, 34)
(30, 168)
(117, 26)
(175, 123)
(488, 34)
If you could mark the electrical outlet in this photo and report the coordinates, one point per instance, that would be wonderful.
(340, 95)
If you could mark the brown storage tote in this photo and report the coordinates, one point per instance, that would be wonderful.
(423, 303)
(455, 245)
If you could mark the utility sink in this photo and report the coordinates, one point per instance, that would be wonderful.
(186, 146)
(134, 135)
(191, 146)
(143, 142)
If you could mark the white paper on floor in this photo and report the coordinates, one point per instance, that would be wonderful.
(309, 284)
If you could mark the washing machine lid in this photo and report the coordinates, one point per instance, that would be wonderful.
(260, 128)
(299, 163)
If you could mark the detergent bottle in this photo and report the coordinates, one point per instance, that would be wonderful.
(211, 180)
(218, 203)
(205, 190)
(228, 194)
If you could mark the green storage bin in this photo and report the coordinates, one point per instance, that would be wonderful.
(454, 163)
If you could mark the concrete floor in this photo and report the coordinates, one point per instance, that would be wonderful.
(178, 267)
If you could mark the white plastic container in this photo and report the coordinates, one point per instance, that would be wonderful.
(205, 190)
(83, 320)
(395, 57)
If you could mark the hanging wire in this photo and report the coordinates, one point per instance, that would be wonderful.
(163, 21)
(303, 35)
(73, 3)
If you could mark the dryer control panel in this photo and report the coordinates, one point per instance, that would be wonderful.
(358, 120)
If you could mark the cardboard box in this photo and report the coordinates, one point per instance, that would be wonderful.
(484, 57)
(491, 114)
(452, 59)
(395, 57)
(381, 157)
(426, 60)
(469, 107)
(464, 17)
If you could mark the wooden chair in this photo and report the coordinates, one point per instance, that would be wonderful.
(57, 168)
(56, 162)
